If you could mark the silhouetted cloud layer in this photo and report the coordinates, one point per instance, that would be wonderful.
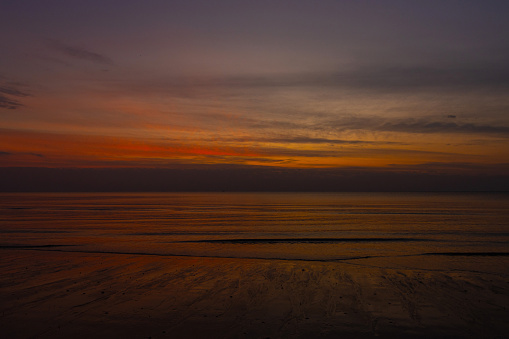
(378, 78)
(78, 53)
(371, 123)
(13, 154)
(309, 140)
(243, 178)
(9, 96)
(441, 127)
(410, 126)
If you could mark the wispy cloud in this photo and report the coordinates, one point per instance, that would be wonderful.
(410, 126)
(10, 154)
(9, 103)
(352, 153)
(366, 123)
(432, 77)
(316, 141)
(377, 78)
(453, 167)
(442, 127)
(9, 95)
(78, 53)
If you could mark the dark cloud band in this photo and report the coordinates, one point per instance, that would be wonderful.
(78, 53)
(9, 95)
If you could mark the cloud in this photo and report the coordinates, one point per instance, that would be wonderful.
(377, 78)
(8, 103)
(409, 126)
(308, 140)
(10, 90)
(433, 77)
(351, 152)
(9, 94)
(354, 123)
(442, 127)
(256, 178)
(10, 154)
(78, 53)
(453, 167)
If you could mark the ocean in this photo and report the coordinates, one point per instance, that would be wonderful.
(289, 226)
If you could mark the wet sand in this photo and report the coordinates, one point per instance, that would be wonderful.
(48, 294)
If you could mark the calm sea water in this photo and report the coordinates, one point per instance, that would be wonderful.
(306, 226)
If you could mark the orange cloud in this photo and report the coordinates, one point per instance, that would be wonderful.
(31, 148)
(52, 149)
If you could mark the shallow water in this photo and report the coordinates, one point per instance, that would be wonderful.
(229, 265)
(463, 229)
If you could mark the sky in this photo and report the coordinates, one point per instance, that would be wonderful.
(412, 86)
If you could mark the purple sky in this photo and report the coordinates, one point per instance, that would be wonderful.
(293, 84)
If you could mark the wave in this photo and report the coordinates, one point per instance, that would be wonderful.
(180, 233)
(470, 254)
(58, 248)
(301, 240)
(36, 231)
(30, 246)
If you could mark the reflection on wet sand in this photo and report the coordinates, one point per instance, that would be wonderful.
(50, 294)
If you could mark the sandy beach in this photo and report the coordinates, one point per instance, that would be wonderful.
(49, 294)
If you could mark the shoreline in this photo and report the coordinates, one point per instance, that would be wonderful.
(82, 295)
